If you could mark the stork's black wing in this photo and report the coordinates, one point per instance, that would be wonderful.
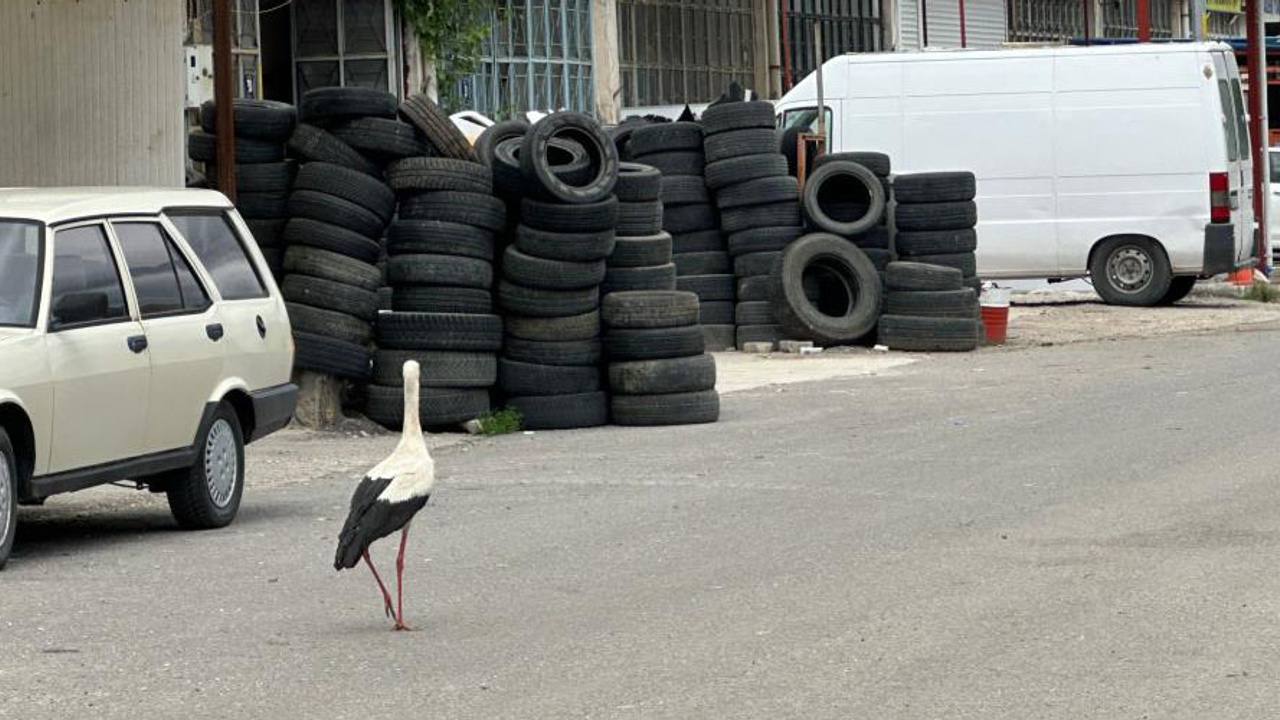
(351, 543)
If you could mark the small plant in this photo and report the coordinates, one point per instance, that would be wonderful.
(501, 422)
(1261, 291)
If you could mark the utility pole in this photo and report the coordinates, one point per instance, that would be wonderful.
(1144, 20)
(223, 98)
(1257, 54)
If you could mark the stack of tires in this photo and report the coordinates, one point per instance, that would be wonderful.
(757, 199)
(641, 257)
(929, 308)
(874, 241)
(498, 148)
(659, 373)
(551, 276)
(263, 175)
(935, 216)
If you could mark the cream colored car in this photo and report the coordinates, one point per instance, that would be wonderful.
(141, 337)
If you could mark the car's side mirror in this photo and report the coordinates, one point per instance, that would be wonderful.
(79, 307)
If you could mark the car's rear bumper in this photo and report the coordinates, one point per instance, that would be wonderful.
(1220, 249)
(272, 409)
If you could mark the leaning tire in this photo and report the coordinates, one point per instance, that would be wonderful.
(436, 126)
(207, 495)
(586, 132)
(313, 144)
(854, 295)
(673, 409)
(826, 196)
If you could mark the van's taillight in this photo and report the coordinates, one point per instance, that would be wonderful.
(1219, 198)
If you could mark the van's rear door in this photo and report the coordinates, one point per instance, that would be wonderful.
(1239, 160)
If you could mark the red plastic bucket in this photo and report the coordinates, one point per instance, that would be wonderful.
(995, 320)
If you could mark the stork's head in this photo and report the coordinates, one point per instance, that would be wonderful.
(411, 373)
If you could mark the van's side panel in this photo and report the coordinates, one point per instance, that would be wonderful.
(870, 111)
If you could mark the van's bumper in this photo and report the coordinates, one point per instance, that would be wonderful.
(272, 409)
(1219, 248)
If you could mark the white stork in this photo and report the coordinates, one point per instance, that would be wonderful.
(388, 497)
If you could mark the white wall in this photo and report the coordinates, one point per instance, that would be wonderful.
(985, 24)
(91, 92)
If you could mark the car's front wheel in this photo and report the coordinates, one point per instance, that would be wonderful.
(8, 496)
(207, 495)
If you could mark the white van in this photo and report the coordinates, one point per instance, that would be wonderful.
(1127, 163)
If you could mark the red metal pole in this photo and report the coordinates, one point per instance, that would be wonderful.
(1085, 5)
(1257, 133)
(786, 45)
(1144, 20)
(963, 38)
(223, 92)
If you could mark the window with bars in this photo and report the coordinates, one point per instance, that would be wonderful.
(1047, 20)
(684, 51)
(343, 43)
(1120, 19)
(245, 34)
(846, 26)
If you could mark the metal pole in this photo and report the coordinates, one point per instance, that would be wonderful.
(924, 23)
(963, 39)
(1144, 20)
(822, 105)
(223, 98)
(1257, 130)
(1197, 20)
(1085, 5)
(784, 29)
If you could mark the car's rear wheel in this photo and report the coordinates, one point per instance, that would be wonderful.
(8, 496)
(207, 495)
(1130, 271)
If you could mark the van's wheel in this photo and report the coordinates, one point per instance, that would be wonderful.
(1179, 288)
(1130, 271)
(8, 496)
(207, 495)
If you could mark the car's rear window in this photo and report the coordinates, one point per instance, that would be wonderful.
(19, 272)
(215, 243)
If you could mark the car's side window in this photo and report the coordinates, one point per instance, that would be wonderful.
(214, 242)
(86, 281)
(162, 280)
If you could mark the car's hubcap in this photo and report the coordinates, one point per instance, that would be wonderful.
(220, 463)
(1129, 269)
(6, 496)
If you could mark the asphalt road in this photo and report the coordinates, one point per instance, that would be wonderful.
(1069, 532)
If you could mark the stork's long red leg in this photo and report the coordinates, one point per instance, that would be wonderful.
(404, 538)
(386, 596)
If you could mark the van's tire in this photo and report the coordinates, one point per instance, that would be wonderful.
(561, 412)
(437, 128)
(253, 118)
(450, 270)
(699, 241)
(437, 407)
(855, 286)
(641, 251)
(551, 352)
(716, 312)
(965, 262)
(878, 163)
(638, 182)
(650, 277)
(639, 218)
(331, 357)
(684, 190)
(784, 214)
(541, 176)
(935, 242)
(8, 496)
(438, 299)
(570, 246)
(581, 218)
(565, 328)
(438, 237)
(521, 378)
(928, 334)
(537, 302)
(382, 138)
(920, 276)
(332, 266)
(1130, 271)
(327, 236)
(312, 144)
(672, 409)
(936, 216)
(827, 204)
(757, 334)
(730, 116)
(737, 143)
(725, 173)
(649, 309)
(439, 331)
(203, 147)
(653, 343)
(330, 295)
(440, 368)
(758, 192)
(335, 211)
(684, 219)
(664, 376)
(348, 184)
(934, 187)
(416, 174)
(933, 303)
(764, 239)
(707, 287)
(674, 162)
(758, 263)
(702, 263)
(207, 494)
(663, 137)
(1179, 287)
(478, 209)
(541, 273)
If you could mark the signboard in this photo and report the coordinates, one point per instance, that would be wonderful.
(1224, 6)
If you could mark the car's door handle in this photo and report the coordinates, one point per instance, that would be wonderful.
(138, 343)
(214, 331)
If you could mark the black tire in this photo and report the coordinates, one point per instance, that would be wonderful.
(568, 160)
(707, 287)
(936, 216)
(765, 239)
(313, 144)
(207, 494)
(1179, 287)
(253, 118)
(382, 138)
(877, 238)
(684, 219)
(520, 378)
(641, 251)
(273, 177)
(928, 334)
(544, 274)
(437, 128)
(746, 168)
(339, 103)
(752, 264)
(755, 288)
(330, 295)
(674, 409)
(439, 331)
(628, 279)
(730, 116)
(684, 190)
(843, 198)
(785, 214)
(639, 218)
(1130, 271)
(335, 211)
(440, 368)
(719, 337)
(621, 135)
(257, 205)
(8, 496)
(561, 412)
(757, 334)
(737, 143)
(487, 144)
(934, 187)
(348, 184)
(332, 266)
(268, 233)
(664, 376)
(879, 258)
(961, 303)
(534, 302)
(754, 312)
(543, 352)
(467, 208)
(450, 270)
(574, 247)
(329, 323)
(623, 344)
(331, 357)
(427, 299)
(416, 174)
(758, 192)
(649, 309)
(718, 312)
(582, 129)
(203, 147)
(965, 262)
(935, 242)
(703, 263)
(675, 162)
(557, 217)
(664, 137)
(849, 299)
(554, 329)
(437, 407)
(437, 237)
(637, 182)
(878, 163)
(325, 236)
(920, 276)
(699, 241)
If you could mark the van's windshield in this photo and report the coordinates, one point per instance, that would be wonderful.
(19, 272)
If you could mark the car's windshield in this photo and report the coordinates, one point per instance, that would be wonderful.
(19, 272)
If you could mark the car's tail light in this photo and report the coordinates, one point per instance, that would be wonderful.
(1219, 198)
